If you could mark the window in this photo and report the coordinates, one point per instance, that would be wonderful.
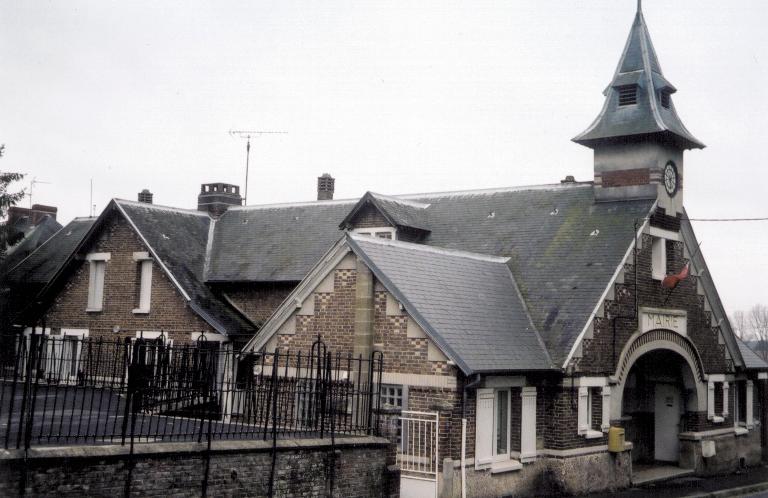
(501, 414)
(743, 404)
(666, 99)
(98, 267)
(501, 425)
(144, 278)
(627, 95)
(392, 397)
(659, 258)
(589, 425)
(380, 232)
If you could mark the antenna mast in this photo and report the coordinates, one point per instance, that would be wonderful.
(32, 184)
(247, 134)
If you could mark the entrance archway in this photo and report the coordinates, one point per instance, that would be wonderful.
(660, 383)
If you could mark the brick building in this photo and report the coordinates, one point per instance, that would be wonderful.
(535, 313)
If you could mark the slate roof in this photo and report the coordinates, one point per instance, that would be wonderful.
(43, 263)
(563, 247)
(751, 359)
(640, 66)
(179, 239)
(33, 238)
(399, 212)
(467, 303)
(273, 243)
(719, 316)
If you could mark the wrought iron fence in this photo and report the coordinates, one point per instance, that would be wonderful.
(60, 389)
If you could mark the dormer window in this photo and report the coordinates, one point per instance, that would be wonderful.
(627, 95)
(380, 232)
(666, 99)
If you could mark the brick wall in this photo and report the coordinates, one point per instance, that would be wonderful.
(258, 301)
(360, 468)
(599, 352)
(168, 311)
(627, 177)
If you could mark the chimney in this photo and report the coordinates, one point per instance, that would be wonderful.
(215, 198)
(325, 187)
(568, 179)
(145, 196)
(17, 215)
(39, 211)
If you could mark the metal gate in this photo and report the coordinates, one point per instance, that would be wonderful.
(418, 454)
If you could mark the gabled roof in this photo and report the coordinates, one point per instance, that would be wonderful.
(751, 359)
(467, 303)
(398, 212)
(640, 66)
(178, 239)
(41, 265)
(719, 316)
(563, 248)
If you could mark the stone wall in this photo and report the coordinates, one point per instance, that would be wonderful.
(359, 467)
(551, 476)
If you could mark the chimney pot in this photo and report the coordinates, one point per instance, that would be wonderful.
(145, 196)
(325, 187)
(215, 198)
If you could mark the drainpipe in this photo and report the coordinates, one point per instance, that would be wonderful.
(467, 387)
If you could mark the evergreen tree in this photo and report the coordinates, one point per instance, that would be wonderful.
(8, 236)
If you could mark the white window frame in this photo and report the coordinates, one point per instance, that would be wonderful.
(97, 262)
(145, 282)
(375, 231)
(714, 418)
(659, 258)
(749, 422)
(585, 427)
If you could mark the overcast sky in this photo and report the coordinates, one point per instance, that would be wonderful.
(394, 97)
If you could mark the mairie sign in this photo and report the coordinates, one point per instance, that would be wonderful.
(657, 318)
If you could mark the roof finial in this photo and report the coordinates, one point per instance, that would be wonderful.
(639, 5)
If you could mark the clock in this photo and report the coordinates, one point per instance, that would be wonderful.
(671, 179)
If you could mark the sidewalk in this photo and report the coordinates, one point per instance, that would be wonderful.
(753, 481)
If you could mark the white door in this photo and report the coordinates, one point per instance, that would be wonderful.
(666, 423)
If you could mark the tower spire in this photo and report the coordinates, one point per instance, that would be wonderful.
(638, 100)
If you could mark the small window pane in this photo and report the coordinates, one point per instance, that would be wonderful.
(502, 422)
(384, 235)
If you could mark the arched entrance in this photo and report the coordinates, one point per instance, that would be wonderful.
(660, 385)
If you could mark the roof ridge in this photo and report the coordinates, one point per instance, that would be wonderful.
(254, 207)
(161, 207)
(425, 248)
(496, 190)
(399, 200)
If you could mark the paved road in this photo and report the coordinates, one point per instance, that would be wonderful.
(742, 484)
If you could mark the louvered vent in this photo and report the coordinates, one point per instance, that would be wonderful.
(666, 99)
(627, 95)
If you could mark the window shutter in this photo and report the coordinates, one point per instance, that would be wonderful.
(606, 421)
(484, 427)
(659, 259)
(583, 410)
(750, 406)
(710, 400)
(726, 401)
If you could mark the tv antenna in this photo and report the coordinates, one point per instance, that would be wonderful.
(32, 184)
(247, 135)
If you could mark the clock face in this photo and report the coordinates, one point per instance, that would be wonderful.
(671, 180)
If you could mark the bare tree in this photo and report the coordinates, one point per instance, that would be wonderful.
(758, 323)
(739, 324)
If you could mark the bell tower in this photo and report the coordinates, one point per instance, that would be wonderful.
(638, 139)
